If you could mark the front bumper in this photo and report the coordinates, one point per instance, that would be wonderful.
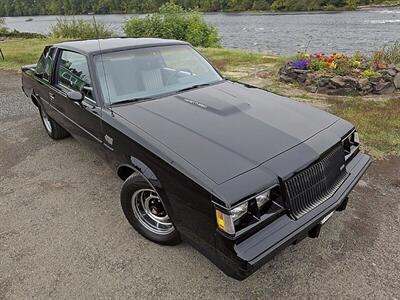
(239, 259)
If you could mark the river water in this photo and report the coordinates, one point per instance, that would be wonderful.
(345, 32)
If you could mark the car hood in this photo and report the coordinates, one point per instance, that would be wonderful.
(227, 129)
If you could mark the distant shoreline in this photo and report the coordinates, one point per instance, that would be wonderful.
(246, 12)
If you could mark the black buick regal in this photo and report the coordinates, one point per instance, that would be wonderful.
(236, 171)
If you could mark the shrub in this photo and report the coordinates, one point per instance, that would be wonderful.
(352, 4)
(391, 53)
(80, 29)
(2, 22)
(368, 73)
(173, 22)
(5, 33)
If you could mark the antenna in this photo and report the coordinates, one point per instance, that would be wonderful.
(102, 63)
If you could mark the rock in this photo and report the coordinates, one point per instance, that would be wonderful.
(382, 85)
(351, 81)
(338, 81)
(323, 81)
(388, 77)
(363, 83)
(396, 81)
(286, 78)
(301, 78)
(392, 72)
(311, 88)
(298, 71)
(389, 89)
(375, 79)
(384, 88)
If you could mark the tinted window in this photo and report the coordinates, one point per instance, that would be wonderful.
(45, 64)
(73, 73)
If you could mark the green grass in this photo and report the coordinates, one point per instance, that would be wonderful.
(22, 52)
(228, 58)
(378, 122)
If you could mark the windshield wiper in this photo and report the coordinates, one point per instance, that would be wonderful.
(193, 87)
(132, 100)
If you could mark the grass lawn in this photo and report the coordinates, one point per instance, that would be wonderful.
(377, 120)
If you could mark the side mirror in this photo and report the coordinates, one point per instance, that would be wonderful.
(75, 96)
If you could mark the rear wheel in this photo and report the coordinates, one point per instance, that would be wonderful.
(54, 130)
(145, 211)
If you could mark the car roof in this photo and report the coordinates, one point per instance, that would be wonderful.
(115, 44)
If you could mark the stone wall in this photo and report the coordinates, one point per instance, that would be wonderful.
(387, 82)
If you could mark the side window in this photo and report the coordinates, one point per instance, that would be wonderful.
(49, 64)
(45, 63)
(73, 73)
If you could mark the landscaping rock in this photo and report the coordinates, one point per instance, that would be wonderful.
(396, 81)
(286, 78)
(375, 79)
(384, 88)
(363, 83)
(338, 81)
(385, 82)
(301, 71)
(353, 82)
(389, 89)
(323, 81)
(392, 72)
(388, 77)
(311, 88)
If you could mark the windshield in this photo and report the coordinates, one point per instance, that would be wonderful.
(149, 72)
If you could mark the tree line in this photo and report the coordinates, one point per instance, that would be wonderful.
(72, 7)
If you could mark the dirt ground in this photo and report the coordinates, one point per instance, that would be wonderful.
(63, 234)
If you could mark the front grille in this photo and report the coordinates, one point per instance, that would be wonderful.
(315, 184)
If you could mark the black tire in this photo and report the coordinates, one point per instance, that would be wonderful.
(55, 131)
(132, 186)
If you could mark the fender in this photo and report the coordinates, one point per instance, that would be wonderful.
(137, 166)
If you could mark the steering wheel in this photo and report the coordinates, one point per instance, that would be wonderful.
(176, 73)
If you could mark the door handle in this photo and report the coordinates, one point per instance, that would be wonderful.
(52, 96)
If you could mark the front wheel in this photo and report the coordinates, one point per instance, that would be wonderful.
(145, 211)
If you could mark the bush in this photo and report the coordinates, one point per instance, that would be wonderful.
(80, 29)
(391, 53)
(173, 22)
(2, 22)
(5, 33)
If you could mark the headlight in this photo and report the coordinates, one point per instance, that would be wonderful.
(263, 198)
(238, 217)
(239, 211)
(226, 221)
(351, 144)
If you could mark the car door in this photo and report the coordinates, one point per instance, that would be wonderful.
(81, 119)
(43, 76)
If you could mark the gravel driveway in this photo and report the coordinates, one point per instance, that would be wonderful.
(63, 234)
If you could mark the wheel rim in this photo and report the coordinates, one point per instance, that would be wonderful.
(46, 120)
(149, 210)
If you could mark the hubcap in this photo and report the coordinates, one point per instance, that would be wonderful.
(149, 210)
(46, 120)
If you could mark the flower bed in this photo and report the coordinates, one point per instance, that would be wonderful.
(339, 74)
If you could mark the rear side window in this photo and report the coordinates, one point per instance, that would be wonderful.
(73, 73)
(45, 64)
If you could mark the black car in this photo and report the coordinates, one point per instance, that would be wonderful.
(236, 171)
